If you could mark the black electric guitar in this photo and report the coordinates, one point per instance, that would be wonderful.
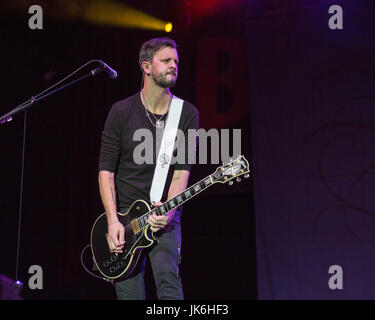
(138, 234)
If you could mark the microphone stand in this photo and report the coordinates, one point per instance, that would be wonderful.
(8, 117)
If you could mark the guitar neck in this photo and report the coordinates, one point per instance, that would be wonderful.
(178, 200)
(223, 174)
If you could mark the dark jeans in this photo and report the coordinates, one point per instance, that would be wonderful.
(165, 258)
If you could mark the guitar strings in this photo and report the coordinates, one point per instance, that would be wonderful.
(129, 227)
(153, 210)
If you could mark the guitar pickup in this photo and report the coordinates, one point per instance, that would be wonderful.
(135, 226)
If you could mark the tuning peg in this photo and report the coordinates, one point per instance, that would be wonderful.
(246, 175)
(238, 179)
(230, 182)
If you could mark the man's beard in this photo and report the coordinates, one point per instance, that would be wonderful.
(163, 82)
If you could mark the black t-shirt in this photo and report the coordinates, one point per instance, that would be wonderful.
(133, 181)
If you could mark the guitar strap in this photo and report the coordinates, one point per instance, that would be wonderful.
(166, 150)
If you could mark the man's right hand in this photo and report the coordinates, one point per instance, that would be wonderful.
(116, 235)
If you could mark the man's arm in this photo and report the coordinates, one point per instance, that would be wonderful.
(108, 194)
(179, 182)
(116, 231)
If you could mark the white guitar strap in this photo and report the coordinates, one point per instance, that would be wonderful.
(166, 149)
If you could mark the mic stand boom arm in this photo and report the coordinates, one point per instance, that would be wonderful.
(8, 117)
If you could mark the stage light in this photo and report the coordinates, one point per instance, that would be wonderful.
(115, 14)
(98, 12)
(168, 27)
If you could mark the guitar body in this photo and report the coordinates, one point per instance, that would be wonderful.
(136, 239)
(138, 234)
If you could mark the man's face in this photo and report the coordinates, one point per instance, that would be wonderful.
(164, 67)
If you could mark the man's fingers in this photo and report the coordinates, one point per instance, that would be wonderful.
(115, 243)
(157, 222)
(162, 220)
(114, 246)
(154, 219)
(115, 249)
(122, 237)
(157, 204)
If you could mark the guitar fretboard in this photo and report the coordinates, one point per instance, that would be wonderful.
(177, 200)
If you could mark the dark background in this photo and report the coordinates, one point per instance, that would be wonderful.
(60, 192)
(303, 96)
(312, 115)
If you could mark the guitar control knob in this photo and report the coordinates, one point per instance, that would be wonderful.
(230, 182)
(238, 179)
(246, 175)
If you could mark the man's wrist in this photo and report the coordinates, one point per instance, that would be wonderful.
(111, 223)
(112, 218)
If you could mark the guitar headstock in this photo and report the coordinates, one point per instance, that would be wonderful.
(233, 169)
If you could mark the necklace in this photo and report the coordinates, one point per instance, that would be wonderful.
(159, 122)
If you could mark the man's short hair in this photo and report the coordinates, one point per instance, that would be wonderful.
(150, 47)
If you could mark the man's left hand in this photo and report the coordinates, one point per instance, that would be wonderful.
(157, 222)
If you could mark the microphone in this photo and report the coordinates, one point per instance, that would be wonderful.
(108, 70)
